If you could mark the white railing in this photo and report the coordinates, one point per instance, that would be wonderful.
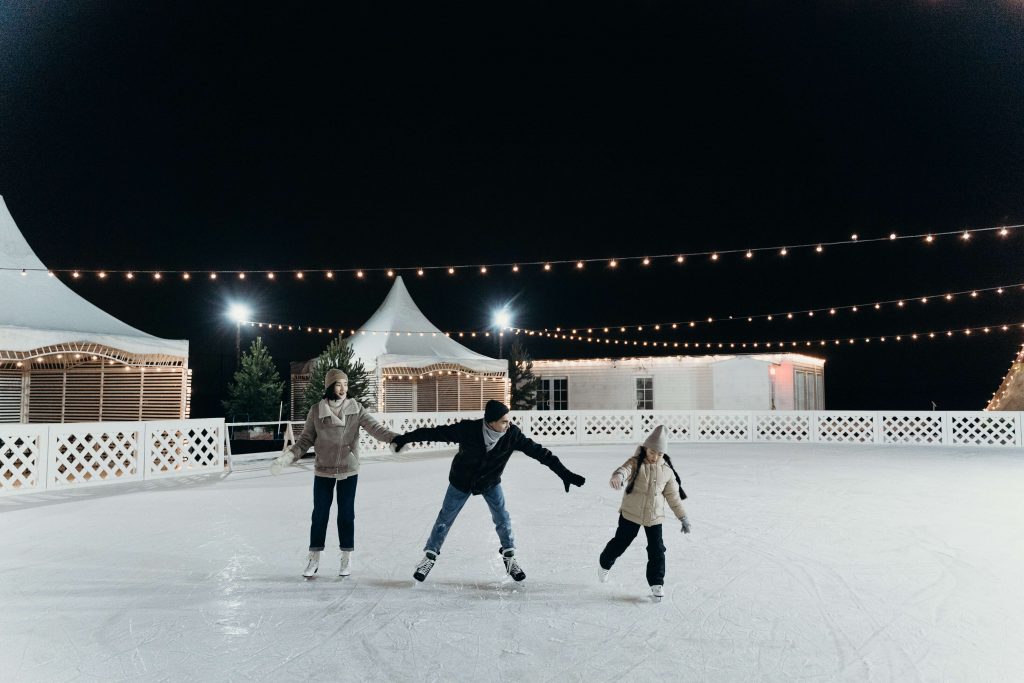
(893, 427)
(46, 457)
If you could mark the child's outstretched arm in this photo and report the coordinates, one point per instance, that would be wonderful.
(622, 474)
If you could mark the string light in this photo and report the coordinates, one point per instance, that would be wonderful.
(773, 344)
(714, 254)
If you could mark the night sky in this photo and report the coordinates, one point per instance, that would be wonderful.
(188, 136)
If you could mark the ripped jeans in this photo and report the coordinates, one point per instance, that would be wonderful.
(454, 500)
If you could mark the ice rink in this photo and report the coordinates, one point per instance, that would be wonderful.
(806, 562)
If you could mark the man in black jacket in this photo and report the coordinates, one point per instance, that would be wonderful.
(484, 448)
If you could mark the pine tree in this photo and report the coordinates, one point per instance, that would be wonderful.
(255, 393)
(338, 354)
(522, 381)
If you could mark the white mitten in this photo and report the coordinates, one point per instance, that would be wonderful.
(280, 462)
(617, 480)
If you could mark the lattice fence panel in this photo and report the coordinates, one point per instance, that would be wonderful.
(678, 425)
(96, 454)
(605, 427)
(841, 427)
(912, 428)
(786, 426)
(552, 426)
(988, 429)
(21, 465)
(181, 448)
(723, 426)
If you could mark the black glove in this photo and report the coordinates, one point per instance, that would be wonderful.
(568, 477)
(399, 441)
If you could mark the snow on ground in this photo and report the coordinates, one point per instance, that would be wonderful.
(809, 562)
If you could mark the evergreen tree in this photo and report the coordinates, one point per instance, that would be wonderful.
(521, 378)
(338, 354)
(255, 393)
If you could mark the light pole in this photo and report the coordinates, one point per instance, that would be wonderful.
(240, 314)
(502, 319)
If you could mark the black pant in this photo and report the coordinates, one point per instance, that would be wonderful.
(323, 496)
(624, 535)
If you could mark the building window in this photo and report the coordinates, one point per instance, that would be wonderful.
(808, 387)
(645, 393)
(553, 393)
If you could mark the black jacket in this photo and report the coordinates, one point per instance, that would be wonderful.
(474, 469)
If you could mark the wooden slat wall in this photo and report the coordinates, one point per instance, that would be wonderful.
(426, 395)
(470, 394)
(10, 395)
(398, 396)
(161, 394)
(46, 396)
(122, 392)
(83, 395)
(448, 393)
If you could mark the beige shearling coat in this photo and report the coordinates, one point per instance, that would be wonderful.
(335, 439)
(654, 486)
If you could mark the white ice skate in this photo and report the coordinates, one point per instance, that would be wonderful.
(346, 563)
(602, 574)
(657, 592)
(312, 564)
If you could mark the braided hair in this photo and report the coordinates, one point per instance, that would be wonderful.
(639, 457)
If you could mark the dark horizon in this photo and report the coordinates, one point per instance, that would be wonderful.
(180, 136)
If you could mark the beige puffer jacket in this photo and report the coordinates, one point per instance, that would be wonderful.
(655, 484)
(336, 439)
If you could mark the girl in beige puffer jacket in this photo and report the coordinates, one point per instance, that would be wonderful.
(651, 482)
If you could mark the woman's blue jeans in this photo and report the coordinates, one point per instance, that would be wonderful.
(323, 495)
(454, 500)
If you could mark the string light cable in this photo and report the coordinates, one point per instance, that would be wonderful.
(834, 341)
(612, 263)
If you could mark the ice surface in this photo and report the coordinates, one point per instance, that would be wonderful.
(806, 562)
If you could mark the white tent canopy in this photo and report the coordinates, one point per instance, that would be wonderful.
(37, 310)
(399, 335)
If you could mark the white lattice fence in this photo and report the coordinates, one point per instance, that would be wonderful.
(723, 426)
(174, 448)
(22, 458)
(607, 427)
(912, 428)
(845, 427)
(552, 426)
(40, 457)
(991, 428)
(679, 425)
(91, 454)
(792, 427)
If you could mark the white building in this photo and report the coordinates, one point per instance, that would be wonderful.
(783, 381)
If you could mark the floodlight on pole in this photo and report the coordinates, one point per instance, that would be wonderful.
(502, 320)
(240, 313)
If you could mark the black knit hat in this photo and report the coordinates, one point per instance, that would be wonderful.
(494, 410)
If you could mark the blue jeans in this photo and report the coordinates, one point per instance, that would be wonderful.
(454, 500)
(323, 495)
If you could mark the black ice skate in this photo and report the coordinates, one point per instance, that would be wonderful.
(425, 565)
(511, 566)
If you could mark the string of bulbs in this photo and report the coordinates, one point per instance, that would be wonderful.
(899, 304)
(611, 263)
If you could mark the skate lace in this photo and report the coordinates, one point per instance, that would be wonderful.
(512, 565)
(425, 565)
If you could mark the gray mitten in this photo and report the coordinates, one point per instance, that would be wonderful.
(686, 525)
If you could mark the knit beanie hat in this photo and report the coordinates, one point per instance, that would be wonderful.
(333, 375)
(657, 440)
(494, 410)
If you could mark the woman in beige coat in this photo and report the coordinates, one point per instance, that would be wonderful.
(651, 481)
(332, 429)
